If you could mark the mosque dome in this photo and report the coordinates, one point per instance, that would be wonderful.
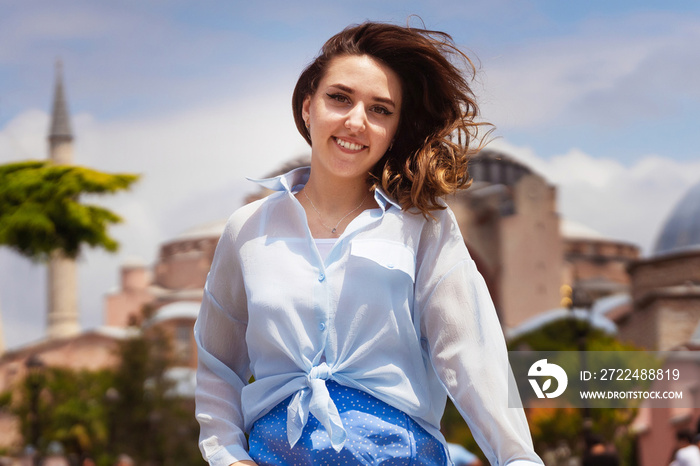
(572, 230)
(203, 231)
(682, 229)
(177, 310)
(495, 167)
(184, 261)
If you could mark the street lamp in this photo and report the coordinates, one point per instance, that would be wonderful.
(572, 299)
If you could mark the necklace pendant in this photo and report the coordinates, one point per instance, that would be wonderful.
(333, 230)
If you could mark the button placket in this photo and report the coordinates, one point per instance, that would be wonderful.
(322, 307)
(322, 324)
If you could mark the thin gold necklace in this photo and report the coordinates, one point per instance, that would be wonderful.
(320, 218)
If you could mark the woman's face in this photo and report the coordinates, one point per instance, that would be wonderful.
(353, 116)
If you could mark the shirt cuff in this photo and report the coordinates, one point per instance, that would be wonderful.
(523, 463)
(229, 454)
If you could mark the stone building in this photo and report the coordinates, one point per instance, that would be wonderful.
(177, 276)
(594, 263)
(664, 314)
(510, 225)
(524, 249)
(664, 311)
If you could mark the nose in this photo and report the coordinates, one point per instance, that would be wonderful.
(356, 119)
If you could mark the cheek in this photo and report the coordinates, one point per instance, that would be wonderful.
(317, 114)
(391, 132)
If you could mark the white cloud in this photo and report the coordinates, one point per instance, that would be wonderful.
(628, 203)
(195, 152)
(602, 73)
(24, 137)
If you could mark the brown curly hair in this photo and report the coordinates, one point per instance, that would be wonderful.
(437, 129)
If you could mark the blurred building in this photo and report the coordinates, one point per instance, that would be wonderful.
(595, 264)
(664, 314)
(525, 251)
(511, 227)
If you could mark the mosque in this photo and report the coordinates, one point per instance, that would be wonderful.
(662, 312)
(512, 228)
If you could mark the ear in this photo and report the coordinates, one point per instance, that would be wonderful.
(305, 113)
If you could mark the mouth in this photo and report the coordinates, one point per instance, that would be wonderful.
(349, 145)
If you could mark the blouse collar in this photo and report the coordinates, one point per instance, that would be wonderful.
(294, 181)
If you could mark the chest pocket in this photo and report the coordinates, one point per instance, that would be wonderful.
(388, 254)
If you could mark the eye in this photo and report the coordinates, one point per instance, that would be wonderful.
(338, 98)
(382, 110)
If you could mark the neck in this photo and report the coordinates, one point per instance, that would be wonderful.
(335, 196)
(331, 205)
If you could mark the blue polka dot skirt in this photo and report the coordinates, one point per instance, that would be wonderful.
(377, 433)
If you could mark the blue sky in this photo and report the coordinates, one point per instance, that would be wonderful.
(130, 59)
(600, 97)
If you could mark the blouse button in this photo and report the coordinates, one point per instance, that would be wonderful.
(322, 326)
(321, 277)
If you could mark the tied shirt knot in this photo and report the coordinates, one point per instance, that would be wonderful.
(315, 399)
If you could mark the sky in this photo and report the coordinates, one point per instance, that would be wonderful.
(601, 98)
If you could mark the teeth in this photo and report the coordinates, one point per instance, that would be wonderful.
(348, 145)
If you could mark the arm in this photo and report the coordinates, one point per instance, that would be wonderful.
(468, 352)
(223, 365)
(466, 345)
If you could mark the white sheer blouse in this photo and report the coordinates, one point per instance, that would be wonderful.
(396, 308)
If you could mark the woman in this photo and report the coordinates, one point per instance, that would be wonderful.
(349, 294)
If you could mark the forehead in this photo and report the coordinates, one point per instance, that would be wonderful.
(363, 73)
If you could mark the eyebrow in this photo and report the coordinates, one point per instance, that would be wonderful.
(349, 90)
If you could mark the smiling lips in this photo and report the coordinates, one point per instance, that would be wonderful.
(348, 145)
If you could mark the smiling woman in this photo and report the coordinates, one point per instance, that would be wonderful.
(352, 117)
(349, 295)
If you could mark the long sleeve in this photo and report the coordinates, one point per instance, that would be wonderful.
(396, 309)
(223, 364)
(467, 350)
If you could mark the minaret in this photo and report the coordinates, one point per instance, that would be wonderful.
(62, 280)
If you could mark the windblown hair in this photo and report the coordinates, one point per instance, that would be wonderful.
(437, 131)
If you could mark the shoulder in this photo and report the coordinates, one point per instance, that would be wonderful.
(440, 220)
(688, 452)
(441, 230)
(245, 219)
(437, 241)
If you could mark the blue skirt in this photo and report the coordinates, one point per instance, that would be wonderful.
(377, 433)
